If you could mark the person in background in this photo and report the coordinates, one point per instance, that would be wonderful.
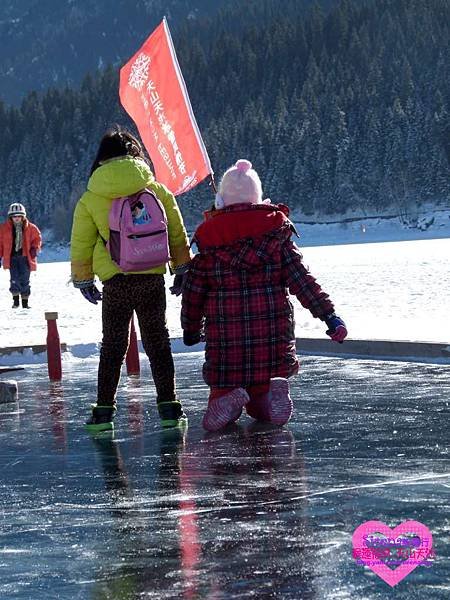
(120, 169)
(236, 295)
(20, 242)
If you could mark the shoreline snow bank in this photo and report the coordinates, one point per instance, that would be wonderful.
(352, 229)
(383, 350)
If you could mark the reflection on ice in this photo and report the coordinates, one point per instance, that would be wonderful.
(250, 512)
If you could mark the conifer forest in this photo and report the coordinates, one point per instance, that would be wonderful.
(341, 106)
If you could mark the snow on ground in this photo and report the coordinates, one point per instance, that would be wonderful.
(386, 290)
(431, 225)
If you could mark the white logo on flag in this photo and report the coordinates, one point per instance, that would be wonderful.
(139, 71)
(189, 180)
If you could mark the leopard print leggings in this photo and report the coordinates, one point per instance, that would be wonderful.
(146, 295)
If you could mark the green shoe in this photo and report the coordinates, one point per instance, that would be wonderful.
(171, 414)
(102, 419)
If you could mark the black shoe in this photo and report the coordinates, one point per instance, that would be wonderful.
(24, 303)
(171, 413)
(102, 419)
(15, 302)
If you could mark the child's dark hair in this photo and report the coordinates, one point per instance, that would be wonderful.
(117, 141)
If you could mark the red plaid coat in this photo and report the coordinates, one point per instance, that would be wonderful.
(237, 289)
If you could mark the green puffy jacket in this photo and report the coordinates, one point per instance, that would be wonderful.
(116, 178)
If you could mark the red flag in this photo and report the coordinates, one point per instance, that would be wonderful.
(153, 92)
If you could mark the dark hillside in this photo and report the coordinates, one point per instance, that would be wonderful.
(340, 110)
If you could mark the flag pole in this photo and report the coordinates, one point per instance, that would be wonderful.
(212, 182)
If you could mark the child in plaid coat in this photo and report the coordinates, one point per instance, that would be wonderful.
(236, 294)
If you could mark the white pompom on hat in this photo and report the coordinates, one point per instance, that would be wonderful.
(239, 184)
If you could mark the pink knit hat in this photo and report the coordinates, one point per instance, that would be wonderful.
(239, 183)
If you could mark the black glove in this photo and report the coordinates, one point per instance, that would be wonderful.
(190, 339)
(91, 293)
(177, 287)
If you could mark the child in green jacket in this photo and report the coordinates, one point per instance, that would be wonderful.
(120, 169)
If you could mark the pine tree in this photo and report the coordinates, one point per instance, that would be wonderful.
(337, 109)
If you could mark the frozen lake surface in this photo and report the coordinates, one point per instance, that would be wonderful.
(253, 512)
(391, 290)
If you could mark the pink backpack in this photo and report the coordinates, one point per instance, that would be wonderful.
(138, 238)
